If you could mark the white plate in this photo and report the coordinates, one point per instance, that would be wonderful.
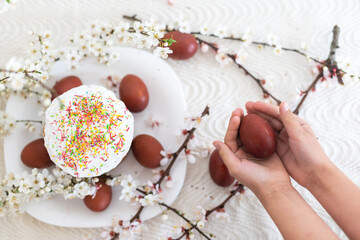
(167, 104)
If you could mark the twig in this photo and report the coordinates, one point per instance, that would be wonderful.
(29, 121)
(167, 171)
(181, 148)
(132, 18)
(306, 92)
(27, 74)
(233, 57)
(222, 205)
(260, 43)
(137, 214)
(185, 218)
(239, 188)
(330, 62)
(3, 79)
(135, 217)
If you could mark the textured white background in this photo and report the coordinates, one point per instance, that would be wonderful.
(334, 113)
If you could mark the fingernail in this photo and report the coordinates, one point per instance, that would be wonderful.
(216, 145)
(286, 106)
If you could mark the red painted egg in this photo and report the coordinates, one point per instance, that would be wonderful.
(35, 155)
(66, 84)
(185, 46)
(257, 136)
(219, 173)
(146, 150)
(134, 93)
(102, 198)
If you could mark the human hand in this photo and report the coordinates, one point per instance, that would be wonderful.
(297, 146)
(261, 176)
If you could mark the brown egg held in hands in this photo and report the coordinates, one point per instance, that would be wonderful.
(66, 84)
(185, 46)
(146, 150)
(35, 155)
(218, 171)
(257, 136)
(134, 93)
(102, 198)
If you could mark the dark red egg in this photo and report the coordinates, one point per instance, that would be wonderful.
(102, 198)
(146, 150)
(185, 46)
(66, 84)
(219, 173)
(35, 155)
(257, 136)
(134, 93)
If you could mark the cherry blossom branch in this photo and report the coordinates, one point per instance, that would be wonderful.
(239, 188)
(306, 92)
(134, 18)
(331, 63)
(266, 93)
(137, 214)
(232, 56)
(183, 146)
(180, 214)
(175, 155)
(27, 74)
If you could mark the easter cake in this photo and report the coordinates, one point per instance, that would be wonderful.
(88, 131)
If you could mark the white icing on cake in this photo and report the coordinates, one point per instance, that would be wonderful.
(88, 131)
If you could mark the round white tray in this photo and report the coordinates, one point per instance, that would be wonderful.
(167, 105)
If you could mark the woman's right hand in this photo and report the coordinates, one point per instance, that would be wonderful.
(298, 147)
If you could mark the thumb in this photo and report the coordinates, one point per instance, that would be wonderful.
(290, 122)
(231, 161)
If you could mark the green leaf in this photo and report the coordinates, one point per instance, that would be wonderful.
(8, 1)
(169, 41)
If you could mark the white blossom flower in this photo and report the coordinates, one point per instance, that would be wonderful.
(152, 122)
(169, 182)
(122, 29)
(184, 26)
(277, 50)
(304, 46)
(129, 183)
(164, 217)
(7, 123)
(204, 47)
(127, 194)
(189, 156)
(82, 189)
(241, 56)
(272, 39)
(162, 52)
(17, 80)
(223, 59)
(222, 216)
(114, 181)
(204, 30)
(74, 57)
(247, 37)
(200, 224)
(165, 159)
(6, 5)
(220, 32)
(150, 199)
